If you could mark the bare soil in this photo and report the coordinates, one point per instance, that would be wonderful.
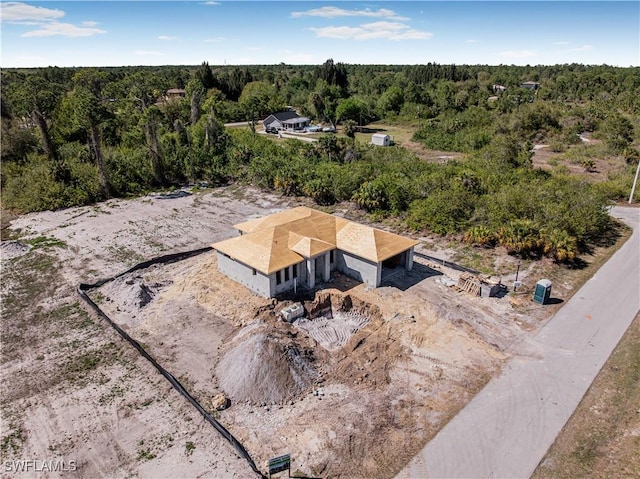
(389, 369)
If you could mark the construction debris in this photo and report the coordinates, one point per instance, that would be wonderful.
(475, 286)
(293, 312)
(220, 402)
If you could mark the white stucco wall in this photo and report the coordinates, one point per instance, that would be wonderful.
(258, 283)
(358, 268)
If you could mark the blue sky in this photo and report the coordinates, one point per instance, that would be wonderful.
(114, 33)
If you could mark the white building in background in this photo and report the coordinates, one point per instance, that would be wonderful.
(380, 139)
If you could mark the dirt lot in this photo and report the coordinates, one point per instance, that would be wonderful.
(358, 403)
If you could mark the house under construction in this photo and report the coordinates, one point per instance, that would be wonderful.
(302, 246)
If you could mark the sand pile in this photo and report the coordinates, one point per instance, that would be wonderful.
(132, 293)
(261, 369)
(13, 249)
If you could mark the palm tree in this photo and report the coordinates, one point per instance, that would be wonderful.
(559, 244)
(349, 128)
(480, 235)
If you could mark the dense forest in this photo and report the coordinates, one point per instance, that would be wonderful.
(74, 136)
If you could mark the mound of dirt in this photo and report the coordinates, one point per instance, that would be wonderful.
(261, 369)
(13, 249)
(132, 293)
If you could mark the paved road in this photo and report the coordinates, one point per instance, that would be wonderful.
(505, 431)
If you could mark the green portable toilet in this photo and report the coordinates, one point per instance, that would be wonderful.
(542, 292)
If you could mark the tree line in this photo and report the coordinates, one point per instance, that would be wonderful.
(74, 136)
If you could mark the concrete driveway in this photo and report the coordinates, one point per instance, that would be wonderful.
(507, 428)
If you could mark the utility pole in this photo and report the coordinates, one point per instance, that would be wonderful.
(635, 180)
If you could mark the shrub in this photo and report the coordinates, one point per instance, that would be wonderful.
(480, 235)
(559, 244)
(442, 212)
(520, 236)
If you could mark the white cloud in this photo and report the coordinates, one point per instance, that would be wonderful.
(148, 53)
(166, 37)
(472, 41)
(212, 4)
(19, 12)
(583, 48)
(62, 29)
(45, 21)
(214, 40)
(373, 31)
(334, 12)
(518, 54)
(254, 49)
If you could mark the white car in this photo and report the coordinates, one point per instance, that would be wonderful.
(329, 129)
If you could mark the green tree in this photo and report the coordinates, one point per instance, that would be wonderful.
(152, 123)
(617, 131)
(349, 128)
(391, 101)
(258, 99)
(37, 98)
(443, 211)
(88, 112)
(332, 73)
(352, 109)
(205, 76)
(372, 195)
(196, 94)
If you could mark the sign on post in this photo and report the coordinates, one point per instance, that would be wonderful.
(279, 464)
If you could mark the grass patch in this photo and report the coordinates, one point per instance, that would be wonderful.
(482, 260)
(145, 455)
(12, 442)
(601, 438)
(28, 280)
(45, 242)
(80, 366)
(125, 255)
(108, 398)
(189, 448)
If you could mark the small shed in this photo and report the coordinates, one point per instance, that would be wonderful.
(380, 139)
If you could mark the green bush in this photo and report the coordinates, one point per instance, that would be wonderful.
(443, 212)
(32, 186)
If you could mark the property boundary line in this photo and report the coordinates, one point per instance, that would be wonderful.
(166, 259)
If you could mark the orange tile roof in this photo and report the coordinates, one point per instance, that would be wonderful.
(279, 240)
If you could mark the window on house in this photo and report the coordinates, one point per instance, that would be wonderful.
(278, 277)
(295, 270)
(254, 271)
(286, 274)
(331, 256)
